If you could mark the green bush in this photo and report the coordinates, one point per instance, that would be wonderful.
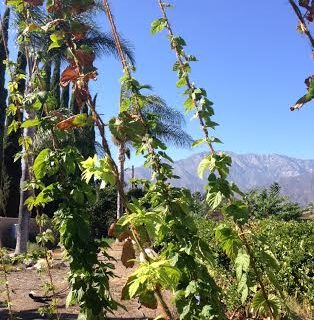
(103, 212)
(293, 245)
(291, 242)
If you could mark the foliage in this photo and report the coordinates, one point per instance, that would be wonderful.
(304, 12)
(266, 203)
(4, 261)
(293, 245)
(174, 256)
(290, 243)
(103, 211)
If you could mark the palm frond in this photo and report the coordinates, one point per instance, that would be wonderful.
(173, 135)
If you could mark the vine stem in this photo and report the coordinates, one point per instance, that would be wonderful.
(188, 82)
(182, 60)
(256, 271)
(151, 149)
(300, 17)
(5, 45)
(54, 295)
(7, 287)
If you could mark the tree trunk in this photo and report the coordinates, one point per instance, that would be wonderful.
(47, 78)
(121, 160)
(73, 105)
(65, 96)
(55, 81)
(12, 147)
(24, 214)
(3, 100)
(22, 230)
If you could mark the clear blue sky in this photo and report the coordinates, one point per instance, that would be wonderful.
(252, 63)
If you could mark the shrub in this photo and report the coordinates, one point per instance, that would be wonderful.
(292, 243)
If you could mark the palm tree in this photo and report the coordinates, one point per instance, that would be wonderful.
(101, 43)
(168, 129)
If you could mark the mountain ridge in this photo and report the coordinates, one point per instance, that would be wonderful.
(250, 171)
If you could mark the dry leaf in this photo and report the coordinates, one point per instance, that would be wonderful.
(128, 253)
(111, 229)
(35, 2)
(71, 73)
(124, 235)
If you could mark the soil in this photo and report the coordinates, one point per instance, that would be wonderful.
(23, 281)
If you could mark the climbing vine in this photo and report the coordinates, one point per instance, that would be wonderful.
(305, 14)
(220, 193)
(160, 224)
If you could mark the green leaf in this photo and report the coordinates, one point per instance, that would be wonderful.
(238, 211)
(13, 126)
(262, 305)
(208, 162)
(148, 300)
(189, 104)
(228, 239)
(158, 25)
(70, 300)
(30, 123)
(181, 82)
(197, 143)
(214, 199)
(134, 286)
(242, 263)
(191, 289)
(40, 164)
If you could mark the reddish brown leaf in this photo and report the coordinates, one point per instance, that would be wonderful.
(84, 58)
(128, 253)
(111, 230)
(35, 2)
(82, 6)
(124, 235)
(71, 73)
(56, 6)
(66, 124)
(81, 94)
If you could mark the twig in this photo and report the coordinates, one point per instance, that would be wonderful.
(300, 17)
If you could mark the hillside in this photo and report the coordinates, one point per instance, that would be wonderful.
(250, 171)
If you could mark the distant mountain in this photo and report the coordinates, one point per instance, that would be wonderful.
(250, 171)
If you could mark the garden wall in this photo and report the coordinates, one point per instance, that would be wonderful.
(7, 231)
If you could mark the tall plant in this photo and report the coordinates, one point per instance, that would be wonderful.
(3, 90)
(167, 128)
(304, 11)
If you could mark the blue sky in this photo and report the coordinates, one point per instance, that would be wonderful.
(252, 63)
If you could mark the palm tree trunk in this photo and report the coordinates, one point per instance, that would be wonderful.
(75, 109)
(47, 78)
(55, 81)
(121, 159)
(65, 97)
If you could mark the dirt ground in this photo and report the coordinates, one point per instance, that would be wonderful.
(23, 281)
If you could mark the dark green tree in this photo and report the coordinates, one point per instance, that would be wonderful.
(3, 103)
(270, 203)
(14, 168)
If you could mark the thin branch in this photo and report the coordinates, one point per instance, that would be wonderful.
(300, 17)
(188, 82)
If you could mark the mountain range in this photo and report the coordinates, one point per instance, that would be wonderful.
(250, 171)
